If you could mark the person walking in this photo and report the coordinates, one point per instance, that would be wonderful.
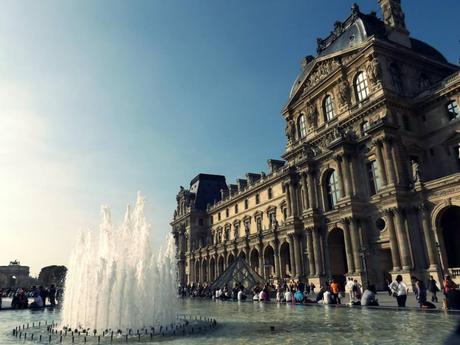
(399, 290)
(433, 287)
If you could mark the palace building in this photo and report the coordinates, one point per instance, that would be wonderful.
(369, 184)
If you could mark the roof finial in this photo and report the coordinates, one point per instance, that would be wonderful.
(355, 8)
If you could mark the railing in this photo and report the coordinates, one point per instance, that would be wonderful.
(455, 272)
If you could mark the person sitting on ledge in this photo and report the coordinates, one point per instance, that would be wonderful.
(288, 296)
(241, 295)
(298, 296)
(369, 297)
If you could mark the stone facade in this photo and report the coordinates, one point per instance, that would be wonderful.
(369, 184)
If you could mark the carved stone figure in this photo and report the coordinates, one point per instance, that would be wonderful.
(290, 130)
(374, 70)
(313, 115)
(393, 14)
(344, 92)
(415, 172)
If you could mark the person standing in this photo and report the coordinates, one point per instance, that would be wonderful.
(335, 291)
(399, 290)
(349, 289)
(433, 287)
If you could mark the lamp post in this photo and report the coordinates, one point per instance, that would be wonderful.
(363, 252)
(438, 247)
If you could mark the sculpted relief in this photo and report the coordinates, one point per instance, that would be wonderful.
(321, 71)
(374, 70)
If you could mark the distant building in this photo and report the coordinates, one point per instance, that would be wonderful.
(370, 182)
(52, 275)
(14, 275)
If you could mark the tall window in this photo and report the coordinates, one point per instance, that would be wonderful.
(332, 189)
(227, 212)
(328, 108)
(236, 208)
(362, 89)
(396, 77)
(218, 216)
(302, 125)
(374, 177)
(246, 204)
(452, 110)
(270, 193)
(257, 199)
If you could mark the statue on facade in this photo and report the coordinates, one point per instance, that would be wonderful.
(344, 91)
(374, 70)
(290, 130)
(415, 171)
(393, 14)
(313, 115)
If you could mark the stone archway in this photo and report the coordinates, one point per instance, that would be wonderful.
(254, 260)
(449, 224)
(220, 266)
(285, 258)
(230, 259)
(212, 270)
(337, 255)
(204, 270)
(197, 271)
(269, 264)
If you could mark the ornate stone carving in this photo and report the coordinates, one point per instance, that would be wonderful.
(393, 14)
(415, 171)
(344, 91)
(312, 116)
(374, 70)
(290, 130)
(320, 72)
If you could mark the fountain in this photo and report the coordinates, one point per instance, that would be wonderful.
(117, 288)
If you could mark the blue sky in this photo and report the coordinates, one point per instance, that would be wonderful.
(100, 99)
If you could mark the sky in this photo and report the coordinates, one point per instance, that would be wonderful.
(101, 99)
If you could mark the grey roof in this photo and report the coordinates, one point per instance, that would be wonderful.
(207, 189)
(238, 272)
(356, 29)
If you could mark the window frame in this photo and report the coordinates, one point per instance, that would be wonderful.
(373, 174)
(328, 108)
(333, 190)
(452, 110)
(302, 126)
(361, 87)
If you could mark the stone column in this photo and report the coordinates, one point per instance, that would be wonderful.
(305, 191)
(288, 199)
(348, 159)
(311, 254)
(389, 161)
(294, 200)
(317, 251)
(395, 256)
(291, 256)
(298, 262)
(356, 245)
(348, 246)
(311, 189)
(343, 191)
(427, 235)
(397, 163)
(347, 175)
(378, 153)
(402, 239)
(261, 262)
(276, 259)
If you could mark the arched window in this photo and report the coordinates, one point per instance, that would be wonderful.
(396, 77)
(302, 125)
(361, 87)
(452, 110)
(328, 108)
(332, 189)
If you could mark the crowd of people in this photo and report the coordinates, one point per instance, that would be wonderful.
(333, 292)
(34, 298)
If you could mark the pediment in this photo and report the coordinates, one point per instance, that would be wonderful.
(320, 69)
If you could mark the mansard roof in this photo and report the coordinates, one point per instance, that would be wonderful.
(207, 189)
(354, 31)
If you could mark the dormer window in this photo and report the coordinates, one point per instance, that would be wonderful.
(328, 108)
(302, 126)
(452, 110)
(361, 87)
